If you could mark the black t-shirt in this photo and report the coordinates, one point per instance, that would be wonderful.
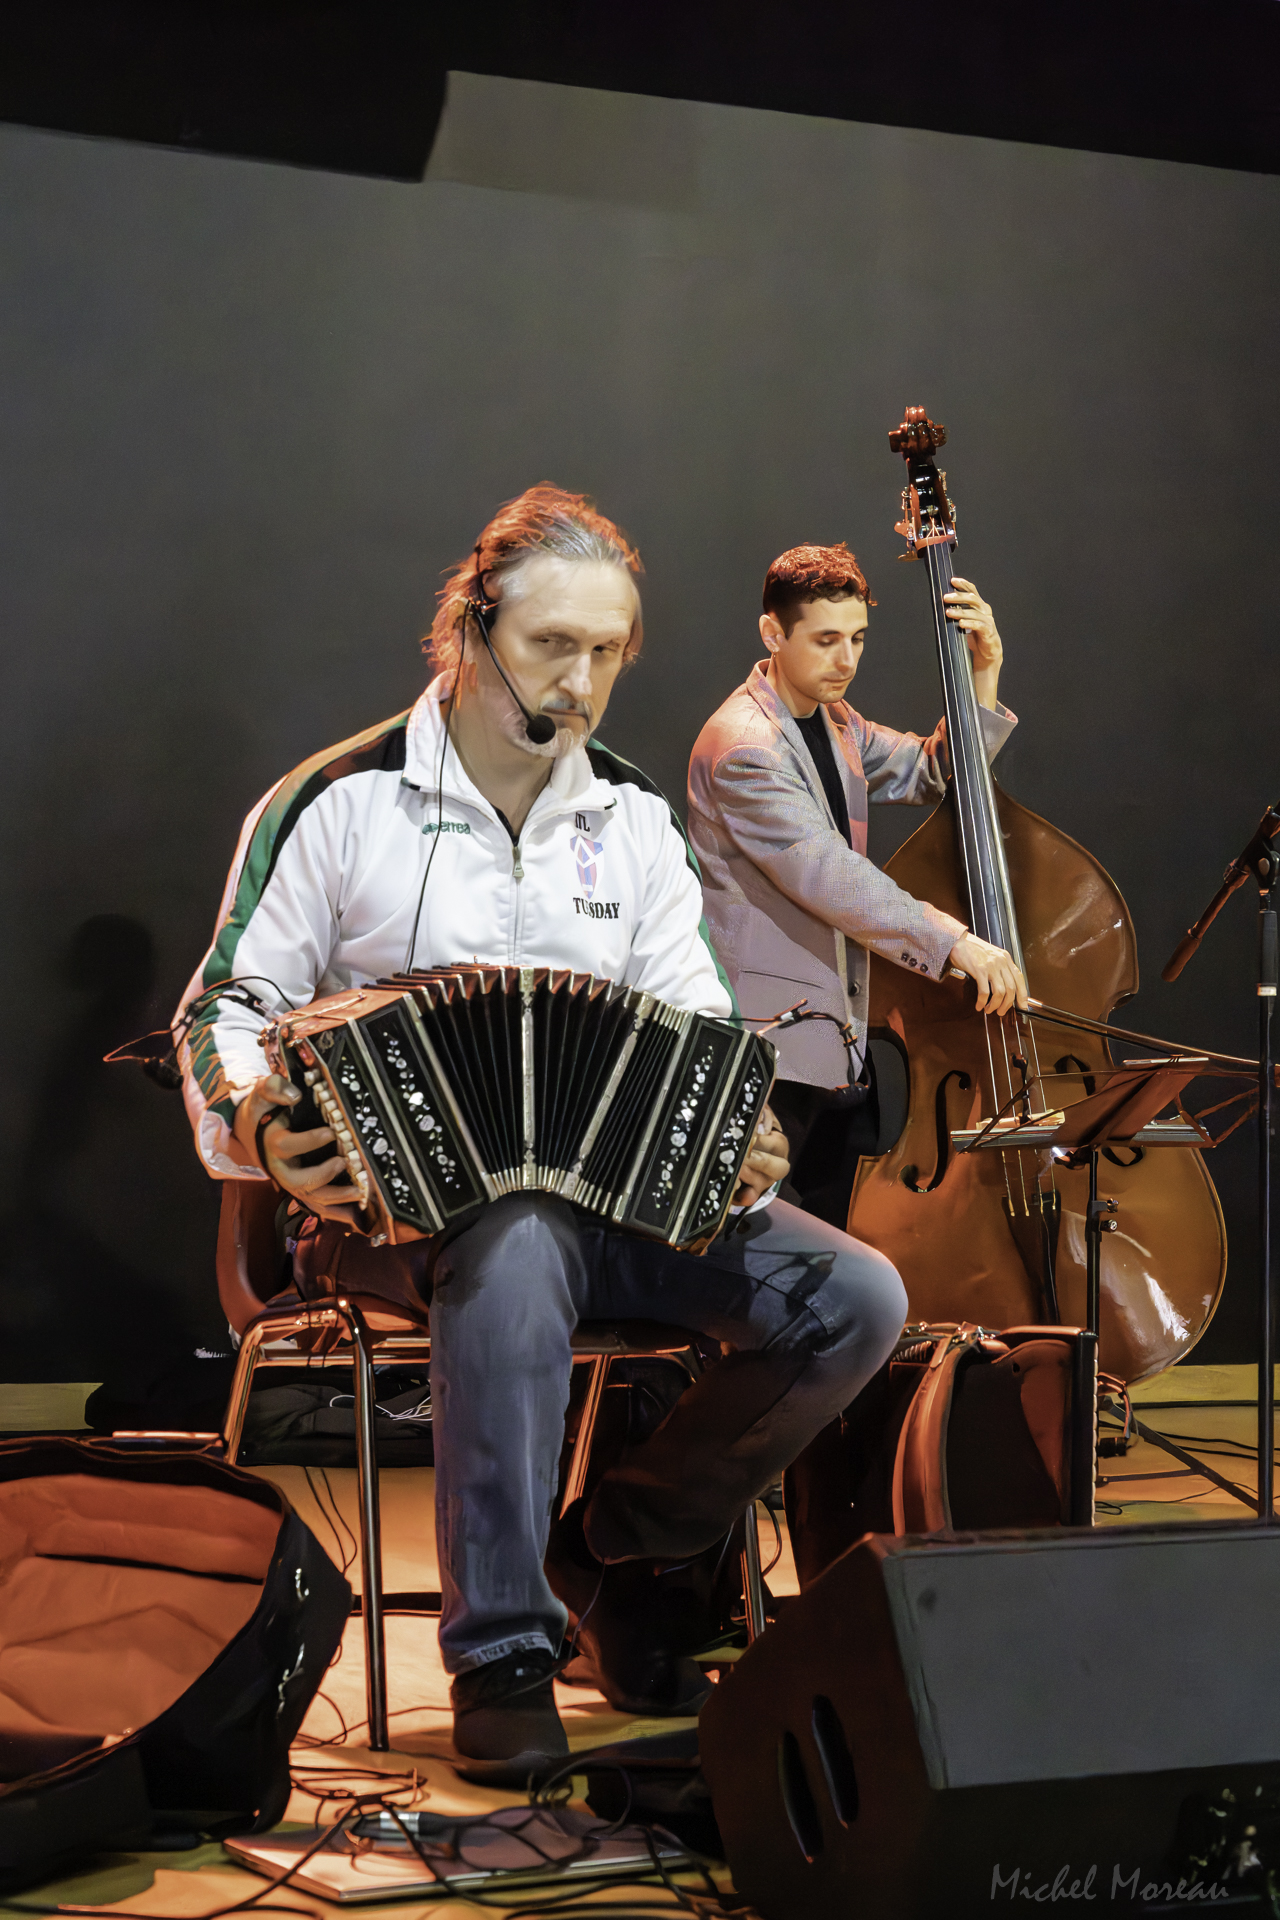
(817, 737)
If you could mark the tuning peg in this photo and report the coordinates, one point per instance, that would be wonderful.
(917, 434)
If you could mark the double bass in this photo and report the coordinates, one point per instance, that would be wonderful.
(998, 1237)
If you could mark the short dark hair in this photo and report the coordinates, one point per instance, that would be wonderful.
(812, 573)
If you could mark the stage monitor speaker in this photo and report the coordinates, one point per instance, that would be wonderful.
(942, 1727)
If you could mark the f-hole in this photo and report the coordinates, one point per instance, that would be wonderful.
(1067, 1062)
(797, 1798)
(942, 1127)
(837, 1761)
(1070, 1060)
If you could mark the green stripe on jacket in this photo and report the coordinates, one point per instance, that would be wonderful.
(364, 752)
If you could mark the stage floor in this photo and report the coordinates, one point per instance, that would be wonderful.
(1212, 1411)
(1199, 1407)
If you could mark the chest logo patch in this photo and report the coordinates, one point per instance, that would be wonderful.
(586, 855)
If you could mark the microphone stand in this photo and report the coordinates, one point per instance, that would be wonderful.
(1259, 861)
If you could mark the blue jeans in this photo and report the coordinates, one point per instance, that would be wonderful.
(810, 1314)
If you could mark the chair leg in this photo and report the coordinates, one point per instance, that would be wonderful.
(375, 1646)
(576, 1478)
(238, 1398)
(752, 1578)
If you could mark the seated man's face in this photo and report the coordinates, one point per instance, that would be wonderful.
(821, 653)
(561, 631)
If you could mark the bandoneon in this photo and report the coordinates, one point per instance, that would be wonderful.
(453, 1087)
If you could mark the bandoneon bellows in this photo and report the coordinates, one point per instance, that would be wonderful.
(452, 1087)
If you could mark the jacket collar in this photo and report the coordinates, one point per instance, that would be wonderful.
(572, 786)
(838, 714)
(757, 685)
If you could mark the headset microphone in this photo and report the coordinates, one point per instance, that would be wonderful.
(539, 728)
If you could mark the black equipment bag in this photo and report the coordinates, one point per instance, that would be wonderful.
(306, 1417)
(165, 1620)
(962, 1428)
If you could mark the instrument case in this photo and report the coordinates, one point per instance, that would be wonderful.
(165, 1621)
(962, 1429)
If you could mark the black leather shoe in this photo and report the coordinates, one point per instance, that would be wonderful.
(634, 1627)
(629, 1645)
(505, 1723)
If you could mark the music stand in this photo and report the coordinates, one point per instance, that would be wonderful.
(1121, 1113)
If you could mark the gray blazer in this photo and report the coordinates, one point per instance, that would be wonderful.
(792, 911)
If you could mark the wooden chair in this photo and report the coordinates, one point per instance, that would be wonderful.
(358, 1331)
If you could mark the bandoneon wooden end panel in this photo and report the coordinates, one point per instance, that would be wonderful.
(449, 1088)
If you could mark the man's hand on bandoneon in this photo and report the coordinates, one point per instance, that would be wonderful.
(767, 1162)
(278, 1151)
(999, 979)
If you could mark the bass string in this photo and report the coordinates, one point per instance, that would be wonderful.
(981, 897)
(939, 580)
(951, 667)
(959, 744)
(997, 1103)
(1004, 1085)
(1030, 1052)
(967, 760)
(1033, 1052)
(1011, 1094)
(1025, 1048)
(982, 872)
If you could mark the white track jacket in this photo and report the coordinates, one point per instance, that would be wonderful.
(327, 877)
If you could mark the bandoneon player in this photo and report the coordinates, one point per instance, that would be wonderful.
(487, 823)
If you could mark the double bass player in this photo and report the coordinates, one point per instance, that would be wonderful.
(779, 782)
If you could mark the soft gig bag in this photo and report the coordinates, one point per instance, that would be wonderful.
(165, 1620)
(962, 1429)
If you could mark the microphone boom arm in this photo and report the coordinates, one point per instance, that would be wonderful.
(1253, 863)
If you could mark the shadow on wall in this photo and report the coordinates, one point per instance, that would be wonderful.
(68, 1298)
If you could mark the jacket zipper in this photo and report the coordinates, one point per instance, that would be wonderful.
(517, 929)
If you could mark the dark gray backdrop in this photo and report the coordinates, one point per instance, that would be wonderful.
(249, 414)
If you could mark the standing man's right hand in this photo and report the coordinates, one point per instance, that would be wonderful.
(280, 1149)
(999, 979)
